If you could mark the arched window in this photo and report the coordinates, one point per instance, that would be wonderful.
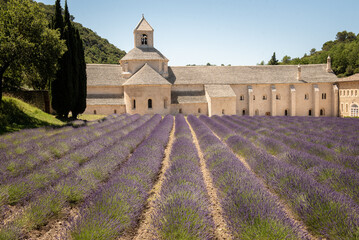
(354, 111)
(94, 112)
(254, 97)
(134, 104)
(243, 112)
(222, 111)
(144, 39)
(310, 112)
(115, 111)
(241, 98)
(322, 112)
(347, 107)
(286, 112)
(264, 97)
(342, 107)
(277, 97)
(306, 96)
(324, 96)
(199, 110)
(180, 110)
(165, 103)
(149, 104)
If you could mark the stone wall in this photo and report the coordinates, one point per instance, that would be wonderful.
(348, 97)
(159, 95)
(105, 109)
(39, 99)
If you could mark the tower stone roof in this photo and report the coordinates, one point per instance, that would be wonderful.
(268, 74)
(147, 53)
(146, 76)
(143, 25)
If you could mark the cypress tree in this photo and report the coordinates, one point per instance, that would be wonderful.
(59, 89)
(82, 77)
(69, 88)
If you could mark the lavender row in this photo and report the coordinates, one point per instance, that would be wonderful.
(56, 145)
(79, 184)
(182, 208)
(331, 132)
(342, 135)
(325, 212)
(349, 161)
(118, 205)
(333, 175)
(24, 187)
(27, 163)
(250, 210)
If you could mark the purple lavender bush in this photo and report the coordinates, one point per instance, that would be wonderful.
(118, 205)
(250, 210)
(181, 211)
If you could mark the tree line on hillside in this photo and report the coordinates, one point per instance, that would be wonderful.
(97, 49)
(40, 54)
(344, 52)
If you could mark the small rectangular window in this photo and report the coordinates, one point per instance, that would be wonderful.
(254, 97)
(241, 98)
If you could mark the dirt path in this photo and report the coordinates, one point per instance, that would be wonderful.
(146, 229)
(302, 229)
(221, 231)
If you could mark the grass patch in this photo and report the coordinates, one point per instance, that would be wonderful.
(16, 115)
(90, 117)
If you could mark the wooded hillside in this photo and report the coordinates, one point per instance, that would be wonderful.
(344, 52)
(97, 49)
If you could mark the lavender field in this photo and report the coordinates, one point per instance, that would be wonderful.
(154, 177)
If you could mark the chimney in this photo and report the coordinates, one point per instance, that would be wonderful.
(299, 73)
(329, 65)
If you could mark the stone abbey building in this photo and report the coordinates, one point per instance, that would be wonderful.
(144, 83)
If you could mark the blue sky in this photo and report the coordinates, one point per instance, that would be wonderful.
(236, 32)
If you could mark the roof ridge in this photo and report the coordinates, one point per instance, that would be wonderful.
(146, 75)
(143, 20)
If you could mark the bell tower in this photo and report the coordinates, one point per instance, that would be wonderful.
(143, 34)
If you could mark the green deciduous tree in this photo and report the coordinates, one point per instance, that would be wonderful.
(286, 59)
(344, 52)
(28, 46)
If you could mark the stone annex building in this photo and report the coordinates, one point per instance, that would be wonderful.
(144, 83)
